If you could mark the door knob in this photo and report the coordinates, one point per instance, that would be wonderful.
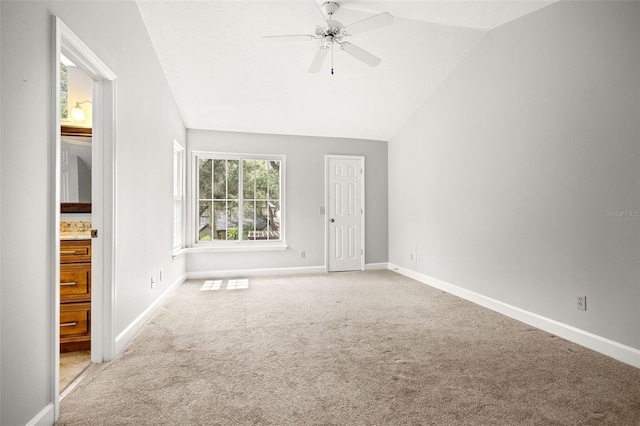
(333, 220)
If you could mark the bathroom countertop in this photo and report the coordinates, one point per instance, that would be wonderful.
(75, 229)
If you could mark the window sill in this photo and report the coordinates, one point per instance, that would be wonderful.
(179, 252)
(237, 248)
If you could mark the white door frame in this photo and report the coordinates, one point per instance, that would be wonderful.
(103, 199)
(327, 228)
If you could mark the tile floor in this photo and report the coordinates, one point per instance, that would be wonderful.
(71, 365)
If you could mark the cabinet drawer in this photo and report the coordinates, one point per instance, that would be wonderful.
(75, 320)
(75, 282)
(75, 251)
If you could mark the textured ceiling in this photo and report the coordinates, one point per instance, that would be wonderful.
(224, 77)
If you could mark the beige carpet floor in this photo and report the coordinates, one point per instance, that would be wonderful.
(364, 348)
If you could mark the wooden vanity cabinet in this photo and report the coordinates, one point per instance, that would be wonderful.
(75, 295)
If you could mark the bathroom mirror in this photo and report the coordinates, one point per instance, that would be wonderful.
(75, 180)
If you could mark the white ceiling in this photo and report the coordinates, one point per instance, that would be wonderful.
(224, 77)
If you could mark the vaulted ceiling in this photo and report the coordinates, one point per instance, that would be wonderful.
(224, 77)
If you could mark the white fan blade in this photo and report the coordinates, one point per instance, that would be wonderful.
(370, 23)
(360, 54)
(318, 60)
(287, 38)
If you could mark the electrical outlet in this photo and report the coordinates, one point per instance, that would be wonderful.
(302, 254)
(153, 283)
(413, 254)
(582, 303)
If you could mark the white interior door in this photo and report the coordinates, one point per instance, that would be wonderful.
(345, 202)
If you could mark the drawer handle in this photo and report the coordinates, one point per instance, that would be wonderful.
(68, 324)
(69, 283)
(68, 251)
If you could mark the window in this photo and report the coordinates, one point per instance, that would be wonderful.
(64, 91)
(239, 199)
(178, 197)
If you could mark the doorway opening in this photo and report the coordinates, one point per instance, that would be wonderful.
(345, 219)
(83, 247)
(76, 119)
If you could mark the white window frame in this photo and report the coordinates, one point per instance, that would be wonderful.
(244, 245)
(179, 163)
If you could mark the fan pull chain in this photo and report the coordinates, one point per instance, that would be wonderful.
(331, 57)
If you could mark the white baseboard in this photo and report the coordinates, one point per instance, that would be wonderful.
(600, 344)
(136, 325)
(238, 273)
(376, 266)
(46, 416)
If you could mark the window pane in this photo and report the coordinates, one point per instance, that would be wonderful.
(220, 179)
(232, 221)
(273, 224)
(275, 219)
(205, 224)
(177, 223)
(261, 215)
(177, 173)
(178, 200)
(261, 180)
(274, 180)
(64, 91)
(177, 211)
(204, 178)
(233, 178)
(249, 220)
(220, 220)
(248, 177)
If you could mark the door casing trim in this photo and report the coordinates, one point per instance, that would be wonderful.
(103, 199)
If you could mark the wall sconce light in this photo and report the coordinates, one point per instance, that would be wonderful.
(77, 113)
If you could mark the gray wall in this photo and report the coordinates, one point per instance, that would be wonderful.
(1, 221)
(305, 162)
(147, 123)
(504, 177)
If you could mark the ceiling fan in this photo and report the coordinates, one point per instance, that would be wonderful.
(334, 33)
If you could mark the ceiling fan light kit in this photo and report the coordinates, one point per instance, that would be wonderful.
(334, 33)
